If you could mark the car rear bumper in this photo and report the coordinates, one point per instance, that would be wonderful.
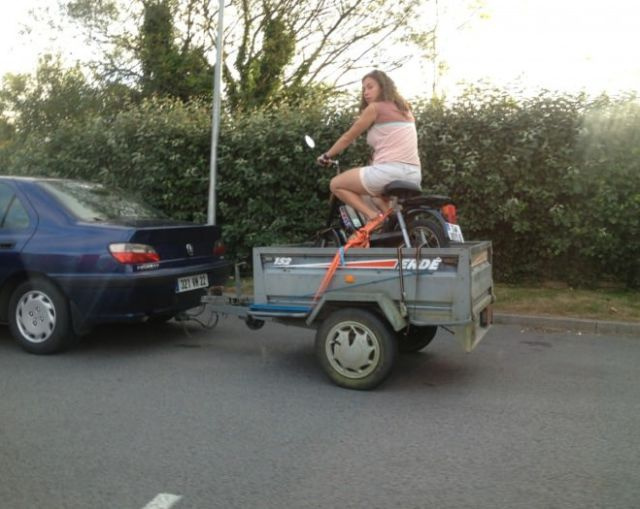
(99, 298)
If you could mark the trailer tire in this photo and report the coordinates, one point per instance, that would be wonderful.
(414, 338)
(254, 323)
(355, 348)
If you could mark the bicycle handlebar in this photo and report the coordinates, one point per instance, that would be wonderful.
(326, 162)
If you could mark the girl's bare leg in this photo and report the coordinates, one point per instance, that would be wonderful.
(348, 188)
(382, 203)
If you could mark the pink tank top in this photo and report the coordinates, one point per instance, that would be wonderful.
(393, 136)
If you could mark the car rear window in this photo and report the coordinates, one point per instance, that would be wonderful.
(97, 203)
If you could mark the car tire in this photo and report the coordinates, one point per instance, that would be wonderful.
(39, 317)
(355, 348)
(415, 338)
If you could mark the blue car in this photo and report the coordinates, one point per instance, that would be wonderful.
(75, 254)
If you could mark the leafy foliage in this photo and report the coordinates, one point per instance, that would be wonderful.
(41, 102)
(261, 75)
(604, 222)
(274, 50)
(169, 71)
(552, 180)
(505, 162)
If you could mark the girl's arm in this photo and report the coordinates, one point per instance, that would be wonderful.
(364, 121)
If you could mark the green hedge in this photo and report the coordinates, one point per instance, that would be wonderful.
(553, 181)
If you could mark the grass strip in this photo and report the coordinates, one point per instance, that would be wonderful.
(550, 299)
(612, 304)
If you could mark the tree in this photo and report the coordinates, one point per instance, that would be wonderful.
(260, 75)
(168, 70)
(55, 96)
(273, 49)
(41, 102)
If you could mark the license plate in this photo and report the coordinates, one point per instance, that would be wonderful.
(186, 284)
(455, 233)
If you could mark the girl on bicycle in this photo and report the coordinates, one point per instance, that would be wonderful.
(392, 135)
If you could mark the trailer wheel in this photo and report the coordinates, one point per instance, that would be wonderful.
(415, 338)
(355, 348)
(254, 323)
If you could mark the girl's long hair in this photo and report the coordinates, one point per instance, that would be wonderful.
(389, 92)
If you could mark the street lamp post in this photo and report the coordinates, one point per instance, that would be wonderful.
(215, 120)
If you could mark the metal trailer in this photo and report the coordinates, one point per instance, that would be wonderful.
(379, 301)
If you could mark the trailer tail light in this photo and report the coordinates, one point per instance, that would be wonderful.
(128, 254)
(450, 213)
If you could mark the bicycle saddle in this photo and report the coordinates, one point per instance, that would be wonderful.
(429, 200)
(402, 189)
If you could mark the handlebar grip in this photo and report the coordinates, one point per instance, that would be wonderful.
(325, 163)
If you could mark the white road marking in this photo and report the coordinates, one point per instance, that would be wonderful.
(163, 501)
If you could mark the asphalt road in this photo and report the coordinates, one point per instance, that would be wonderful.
(187, 418)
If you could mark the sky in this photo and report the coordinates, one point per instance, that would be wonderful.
(565, 45)
(16, 54)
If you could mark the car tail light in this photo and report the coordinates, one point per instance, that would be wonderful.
(219, 249)
(450, 214)
(133, 253)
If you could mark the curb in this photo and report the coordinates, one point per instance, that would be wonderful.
(573, 324)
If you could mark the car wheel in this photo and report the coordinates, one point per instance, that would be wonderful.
(39, 317)
(355, 348)
(415, 338)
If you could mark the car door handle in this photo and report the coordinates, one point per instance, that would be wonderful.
(7, 245)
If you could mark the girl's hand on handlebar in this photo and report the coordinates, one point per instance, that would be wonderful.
(324, 160)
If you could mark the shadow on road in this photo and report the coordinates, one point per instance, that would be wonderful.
(284, 352)
(124, 338)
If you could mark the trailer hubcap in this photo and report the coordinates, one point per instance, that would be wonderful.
(36, 316)
(352, 349)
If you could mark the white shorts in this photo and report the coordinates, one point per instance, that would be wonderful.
(374, 178)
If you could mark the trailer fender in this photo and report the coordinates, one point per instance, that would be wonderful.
(395, 313)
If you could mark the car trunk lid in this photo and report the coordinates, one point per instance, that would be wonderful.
(184, 242)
